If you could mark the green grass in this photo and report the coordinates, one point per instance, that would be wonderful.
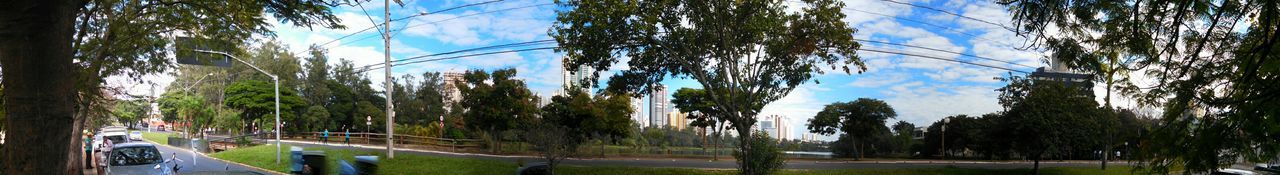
(159, 138)
(870, 171)
(262, 156)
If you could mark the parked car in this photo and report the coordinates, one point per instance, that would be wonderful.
(1268, 168)
(1231, 171)
(138, 158)
(536, 168)
(116, 135)
(135, 135)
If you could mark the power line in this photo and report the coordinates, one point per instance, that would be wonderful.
(939, 58)
(949, 29)
(366, 15)
(947, 51)
(463, 56)
(500, 46)
(953, 14)
(408, 17)
(473, 14)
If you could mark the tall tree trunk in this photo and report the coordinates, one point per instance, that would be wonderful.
(40, 86)
(745, 150)
(1035, 169)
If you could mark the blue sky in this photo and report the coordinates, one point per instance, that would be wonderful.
(920, 90)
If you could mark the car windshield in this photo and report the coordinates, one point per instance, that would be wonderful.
(116, 139)
(135, 156)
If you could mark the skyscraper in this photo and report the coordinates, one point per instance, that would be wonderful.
(637, 111)
(658, 106)
(575, 78)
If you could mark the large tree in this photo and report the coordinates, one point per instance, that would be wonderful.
(1212, 56)
(580, 117)
(1047, 117)
(130, 112)
(745, 53)
(53, 51)
(861, 120)
(257, 100)
(702, 113)
(494, 103)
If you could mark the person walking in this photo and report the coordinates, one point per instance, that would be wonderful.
(88, 149)
(326, 137)
(347, 139)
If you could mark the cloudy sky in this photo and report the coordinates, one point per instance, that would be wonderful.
(921, 90)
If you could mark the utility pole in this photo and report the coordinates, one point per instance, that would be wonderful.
(386, 52)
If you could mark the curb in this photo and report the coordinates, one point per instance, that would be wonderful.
(226, 161)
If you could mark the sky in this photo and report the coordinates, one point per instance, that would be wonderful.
(920, 90)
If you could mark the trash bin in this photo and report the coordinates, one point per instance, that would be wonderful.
(315, 160)
(345, 168)
(295, 160)
(367, 165)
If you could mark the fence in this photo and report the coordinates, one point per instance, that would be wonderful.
(401, 140)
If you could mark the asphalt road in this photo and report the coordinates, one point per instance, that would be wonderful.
(725, 163)
(193, 162)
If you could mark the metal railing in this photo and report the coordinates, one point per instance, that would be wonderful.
(400, 139)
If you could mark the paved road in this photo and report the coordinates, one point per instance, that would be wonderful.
(193, 162)
(723, 163)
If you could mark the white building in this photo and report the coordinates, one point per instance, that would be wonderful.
(576, 78)
(637, 111)
(776, 126)
(658, 106)
(451, 93)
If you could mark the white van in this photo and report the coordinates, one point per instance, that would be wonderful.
(117, 135)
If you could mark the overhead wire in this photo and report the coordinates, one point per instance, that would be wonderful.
(952, 13)
(947, 51)
(407, 17)
(939, 58)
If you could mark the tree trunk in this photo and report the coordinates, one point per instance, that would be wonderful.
(1035, 169)
(39, 79)
(745, 151)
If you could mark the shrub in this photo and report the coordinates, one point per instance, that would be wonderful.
(767, 158)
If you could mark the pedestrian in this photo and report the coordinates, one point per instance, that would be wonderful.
(347, 138)
(88, 149)
(326, 137)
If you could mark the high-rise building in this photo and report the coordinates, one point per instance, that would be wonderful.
(677, 120)
(576, 78)
(776, 126)
(658, 106)
(451, 93)
(637, 111)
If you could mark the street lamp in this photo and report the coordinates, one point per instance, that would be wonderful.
(275, 79)
(944, 136)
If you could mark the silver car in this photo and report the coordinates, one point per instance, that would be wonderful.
(137, 158)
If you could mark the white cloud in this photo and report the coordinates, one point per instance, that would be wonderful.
(880, 80)
(923, 104)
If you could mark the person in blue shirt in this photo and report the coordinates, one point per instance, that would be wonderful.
(326, 137)
(347, 139)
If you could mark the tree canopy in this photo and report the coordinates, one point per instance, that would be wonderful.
(1212, 63)
(860, 120)
(257, 99)
(745, 53)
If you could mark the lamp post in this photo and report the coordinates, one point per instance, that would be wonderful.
(274, 79)
(944, 136)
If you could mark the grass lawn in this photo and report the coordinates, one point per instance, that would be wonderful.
(262, 156)
(160, 138)
(919, 171)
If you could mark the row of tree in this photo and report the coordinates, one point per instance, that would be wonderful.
(1042, 119)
